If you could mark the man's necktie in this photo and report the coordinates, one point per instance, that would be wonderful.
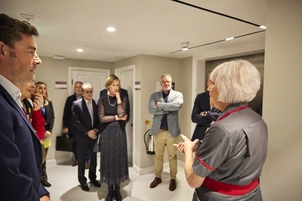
(90, 111)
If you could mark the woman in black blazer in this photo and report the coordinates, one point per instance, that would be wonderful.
(49, 116)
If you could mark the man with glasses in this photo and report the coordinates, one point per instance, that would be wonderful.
(86, 122)
(164, 105)
(68, 128)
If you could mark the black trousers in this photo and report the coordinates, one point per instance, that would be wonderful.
(82, 149)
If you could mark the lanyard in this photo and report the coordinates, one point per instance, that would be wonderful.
(232, 111)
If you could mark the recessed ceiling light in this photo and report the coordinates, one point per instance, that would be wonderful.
(80, 50)
(111, 29)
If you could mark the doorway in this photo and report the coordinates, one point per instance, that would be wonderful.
(96, 77)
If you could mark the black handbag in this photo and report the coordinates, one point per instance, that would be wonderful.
(64, 143)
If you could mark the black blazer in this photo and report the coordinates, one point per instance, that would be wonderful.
(67, 115)
(82, 120)
(202, 103)
(49, 117)
(124, 93)
(21, 154)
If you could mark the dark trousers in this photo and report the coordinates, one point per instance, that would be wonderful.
(82, 149)
(75, 152)
(44, 174)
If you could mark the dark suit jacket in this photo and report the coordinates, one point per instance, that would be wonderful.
(82, 120)
(202, 103)
(20, 154)
(67, 116)
(50, 117)
(124, 93)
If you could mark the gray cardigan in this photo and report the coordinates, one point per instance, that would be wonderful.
(171, 108)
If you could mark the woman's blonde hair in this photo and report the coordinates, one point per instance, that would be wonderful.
(236, 81)
(110, 79)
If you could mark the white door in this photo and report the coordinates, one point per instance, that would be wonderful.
(96, 77)
(126, 76)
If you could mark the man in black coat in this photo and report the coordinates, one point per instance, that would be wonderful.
(86, 123)
(203, 115)
(67, 119)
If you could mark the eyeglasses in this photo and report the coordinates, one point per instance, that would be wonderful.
(166, 82)
(88, 92)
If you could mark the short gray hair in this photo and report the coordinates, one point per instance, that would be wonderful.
(236, 81)
(166, 75)
(86, 85)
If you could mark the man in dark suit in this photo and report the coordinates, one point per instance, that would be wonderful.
(68, 127)
(123, 93)
(203, 115)
(20, 148)
(86, 123)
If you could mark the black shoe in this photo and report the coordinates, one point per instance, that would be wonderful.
(95, 183)
(84, 187)
(46, 184)
(75, 163)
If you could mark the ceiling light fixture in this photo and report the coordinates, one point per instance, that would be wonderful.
(80, 50)
(262, 27)
(231, 38)
(27, 16)
(58, 57)
(111, 29)
(185, 46)
(219, 41)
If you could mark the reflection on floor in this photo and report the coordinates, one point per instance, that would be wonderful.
(65, 186)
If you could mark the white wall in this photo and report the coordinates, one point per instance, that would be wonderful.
(281, 178)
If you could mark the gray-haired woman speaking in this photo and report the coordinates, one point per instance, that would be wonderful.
(228, 164)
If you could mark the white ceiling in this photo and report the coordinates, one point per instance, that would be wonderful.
(153, 27)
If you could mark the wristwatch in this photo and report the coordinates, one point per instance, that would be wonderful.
(204, 113)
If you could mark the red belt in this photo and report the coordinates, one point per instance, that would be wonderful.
(229, 189)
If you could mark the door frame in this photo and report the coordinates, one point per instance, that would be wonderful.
(135, 148)
(71, 68)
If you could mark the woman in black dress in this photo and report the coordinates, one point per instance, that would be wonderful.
(114, 159)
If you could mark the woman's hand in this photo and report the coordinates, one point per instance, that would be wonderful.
(187, 145)
(118, 95)
(37, 101)
(47, 134)
(121, 118)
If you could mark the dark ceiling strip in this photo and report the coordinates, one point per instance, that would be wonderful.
(249, 34)
(219, 41)
(217, 13)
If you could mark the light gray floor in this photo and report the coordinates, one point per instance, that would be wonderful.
(65, 187)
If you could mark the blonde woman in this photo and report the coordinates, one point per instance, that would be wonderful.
(49, 116)
(114, 159)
